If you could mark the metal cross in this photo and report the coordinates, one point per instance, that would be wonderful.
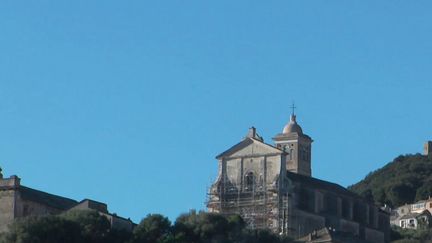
(293, 107)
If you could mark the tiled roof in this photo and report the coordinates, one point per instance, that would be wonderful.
(410, 216)
(414, 215)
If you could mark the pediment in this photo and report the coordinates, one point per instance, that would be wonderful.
(249, 147)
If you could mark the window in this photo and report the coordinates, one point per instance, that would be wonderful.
(411, 223)
(249, 181)
(418, 206)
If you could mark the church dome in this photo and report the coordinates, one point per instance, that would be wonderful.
(292, 127)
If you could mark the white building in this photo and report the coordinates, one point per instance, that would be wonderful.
(410, 215)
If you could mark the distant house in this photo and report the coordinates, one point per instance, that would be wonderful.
(398, 213)
(18, 201)
(410, 215)
(414, 220)
(422, 205)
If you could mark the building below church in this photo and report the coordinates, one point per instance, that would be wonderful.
(271, 187)
(18, 201)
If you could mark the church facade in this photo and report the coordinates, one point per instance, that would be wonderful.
(271, 187)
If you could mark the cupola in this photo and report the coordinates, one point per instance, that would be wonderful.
(292, 127)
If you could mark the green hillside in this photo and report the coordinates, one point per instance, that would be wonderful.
(406, 179)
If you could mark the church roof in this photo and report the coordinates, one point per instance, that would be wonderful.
(321, 184)
(244, 143)
(47, 199)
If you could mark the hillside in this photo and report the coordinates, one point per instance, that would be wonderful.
(406, 179)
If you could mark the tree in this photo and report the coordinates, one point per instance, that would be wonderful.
(406, 179)
(94, 227)
(201, 227)
(425, 191)
(88, 226)
(400, 194)
(76, 226)
(154, 228)
(214, 228)
(48, 229)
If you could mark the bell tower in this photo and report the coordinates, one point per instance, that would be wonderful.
(297, 145)
(427, 149)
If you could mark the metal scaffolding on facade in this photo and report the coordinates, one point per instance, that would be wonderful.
(259, 206)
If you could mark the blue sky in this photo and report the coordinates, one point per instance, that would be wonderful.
(128, 102)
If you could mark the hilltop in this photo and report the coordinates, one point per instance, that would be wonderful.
(406, 179)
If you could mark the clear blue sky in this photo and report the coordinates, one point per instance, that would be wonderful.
(128, 102)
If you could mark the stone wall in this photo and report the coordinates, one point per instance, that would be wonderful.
(265, 169)
(374, 235)
(349, 226)
(255, 157)
(8, 199)
(7, 208)
(118, 223)
(340, 212)
(26, 208)
(10, 183)
(301, 223)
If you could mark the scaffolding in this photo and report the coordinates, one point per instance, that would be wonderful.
(259, 206)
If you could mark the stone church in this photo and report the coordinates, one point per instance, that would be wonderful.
(271, 187)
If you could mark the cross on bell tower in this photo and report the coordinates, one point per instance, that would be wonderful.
(297, 145)
(293, 107)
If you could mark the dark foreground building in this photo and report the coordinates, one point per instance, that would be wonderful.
(17, 201)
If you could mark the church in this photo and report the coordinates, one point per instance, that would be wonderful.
(271, 187)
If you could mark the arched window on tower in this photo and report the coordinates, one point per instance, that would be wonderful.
(249, 181)
(291, 156)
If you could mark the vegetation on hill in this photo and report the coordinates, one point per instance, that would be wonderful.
(422, 234)
(86, 226)
(406, 179)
